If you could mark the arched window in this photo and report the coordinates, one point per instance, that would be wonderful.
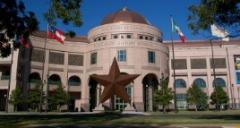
(74, 81)
(180, 83)
(200, 83)
(34, 78)
(219, 82)
(54, 80)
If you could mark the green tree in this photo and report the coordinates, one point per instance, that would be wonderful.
(223, 12)
(15, 21)
(59, 98)
(33, 99)
(16, 98)
(219, 97)
(164, 95)
(195, 96)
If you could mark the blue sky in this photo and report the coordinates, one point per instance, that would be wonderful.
(157, 12)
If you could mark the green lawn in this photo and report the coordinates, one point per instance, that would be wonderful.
(181, 118)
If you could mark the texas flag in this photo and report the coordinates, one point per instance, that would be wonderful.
(56, 34)
(176, 29)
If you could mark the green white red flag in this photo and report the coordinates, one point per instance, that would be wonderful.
(177, 29)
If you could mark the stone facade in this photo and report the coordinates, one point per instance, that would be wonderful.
(138, 48)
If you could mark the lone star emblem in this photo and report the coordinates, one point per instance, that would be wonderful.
(114, 83)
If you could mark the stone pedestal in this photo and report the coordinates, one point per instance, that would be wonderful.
(99, 108)
(129, 108)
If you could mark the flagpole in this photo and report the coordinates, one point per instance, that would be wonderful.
(173, 67)
(214, 70)
(43, 68)
(9, 83)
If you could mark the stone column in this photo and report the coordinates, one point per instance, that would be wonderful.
(98, 93)
(45, 79)
(150, 98)
(132, 91)
(13, 77)
(138, 94)
(99, 106)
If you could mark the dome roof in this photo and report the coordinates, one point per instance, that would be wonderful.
(124, 15)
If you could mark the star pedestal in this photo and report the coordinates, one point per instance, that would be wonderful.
(114, 84)
(99, 108)
(129, 108)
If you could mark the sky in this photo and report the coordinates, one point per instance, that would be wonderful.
(157, 12)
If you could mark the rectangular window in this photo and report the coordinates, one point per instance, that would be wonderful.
(76, 60)
(151, 57)
(218, 62)
(56, 58)
(181, 96)
(122, 55)
(115, 36)
(179, 64)
(129, 36)
(140, 36)
(37, 55)
(238, 77)
(198, 64)
(94, 58)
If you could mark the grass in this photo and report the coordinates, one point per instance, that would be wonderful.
(181, 118)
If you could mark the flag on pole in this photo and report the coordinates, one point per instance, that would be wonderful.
(24, 42)
(219, 32)
(21, 39)
(56, 34)
(177, 29)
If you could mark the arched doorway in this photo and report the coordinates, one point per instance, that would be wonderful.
(73, 81)
(181, 97)
(117, 103)
(150, 84)
(34, 78)
(92, 94)
(54, 80)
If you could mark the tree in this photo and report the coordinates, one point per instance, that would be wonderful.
(16, 22)
(59, 98)
(219, 97)
(197, 97)
(164, 95)
(16, 98)
(226, 13)
(33, 99)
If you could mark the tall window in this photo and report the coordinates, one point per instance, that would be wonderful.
(74, 81)
(94, 58)
(181, 100)
(238, 77)
(200, 83)
(122, 55)
(180, 83)
(219, 82)
(151, 57)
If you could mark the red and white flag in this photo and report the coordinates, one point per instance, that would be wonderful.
(56, 34)
(176, 29)
(24, 42)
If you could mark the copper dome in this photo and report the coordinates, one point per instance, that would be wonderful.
(124, 15)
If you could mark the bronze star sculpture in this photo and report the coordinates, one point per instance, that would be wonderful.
(114, 83)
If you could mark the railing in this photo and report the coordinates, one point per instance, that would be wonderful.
(50, 82)
(5, 77)
(35, 81)
(74, 83)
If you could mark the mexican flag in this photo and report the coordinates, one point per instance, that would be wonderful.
(176, 29)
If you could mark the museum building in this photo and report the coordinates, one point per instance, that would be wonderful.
(139, 49)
